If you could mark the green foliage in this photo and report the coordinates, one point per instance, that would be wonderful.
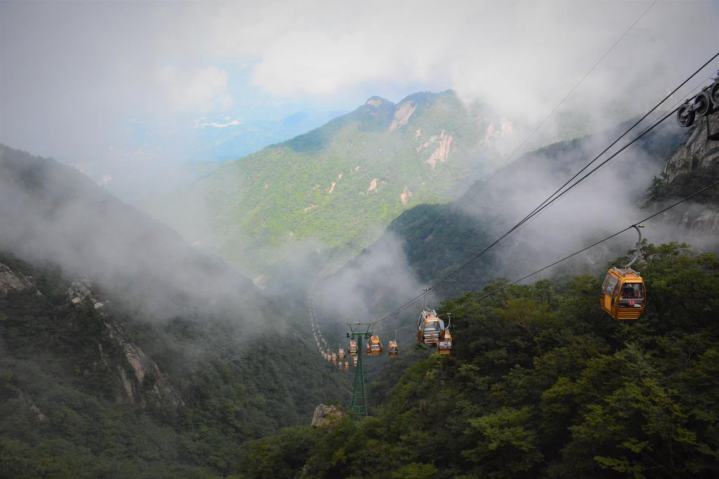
(284, 193)
(64, 411)
(544, 384)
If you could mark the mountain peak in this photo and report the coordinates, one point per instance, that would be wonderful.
(377, 101)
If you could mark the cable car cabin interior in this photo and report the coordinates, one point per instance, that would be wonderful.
(445, 344)
(623, 294)
(393, 349)
(353, 348)
(430, 328)
(374, 346)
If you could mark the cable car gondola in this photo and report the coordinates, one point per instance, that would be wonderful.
(347, 365)
(623, 289)
(355, 360)
(334, 358)
(445, 345)
(374, 346)
(353, 348)
(341, 354)
(430, 329)
(393, 349)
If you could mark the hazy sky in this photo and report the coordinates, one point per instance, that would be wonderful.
(77, 78)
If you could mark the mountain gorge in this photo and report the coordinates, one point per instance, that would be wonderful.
(126, 352)
(122, 350)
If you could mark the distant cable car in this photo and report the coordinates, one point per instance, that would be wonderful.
(341, 354)
(355, 360)
(393, 349)
(347, 365)
(430, 328)
(334, 358)
(623, 290)
(374, 346)
(353, 348)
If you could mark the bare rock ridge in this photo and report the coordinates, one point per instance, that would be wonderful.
(699, 152)
(697, 222)
(139, 378)
(11, 281)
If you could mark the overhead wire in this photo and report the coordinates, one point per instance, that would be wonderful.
(544, 268)
(559, 192)
(556, 107)
(659, 125)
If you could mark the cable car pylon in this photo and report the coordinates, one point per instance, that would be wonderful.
(359, 332)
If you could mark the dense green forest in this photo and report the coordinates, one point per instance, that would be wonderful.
(339, 185)
(64, 412)
(542, 384)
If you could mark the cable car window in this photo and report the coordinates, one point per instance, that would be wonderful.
(633, 291)
(611, 284)
(605, 284)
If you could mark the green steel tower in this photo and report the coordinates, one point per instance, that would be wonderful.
(359, 393)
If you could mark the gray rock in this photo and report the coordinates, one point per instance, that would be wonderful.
(324, 415)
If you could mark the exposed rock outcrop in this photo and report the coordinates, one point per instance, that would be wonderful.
(443, 150)
(402, 114)
(372, 185)
(146, 382)
(697, 223)
(12, 281)
(406, 195)
(139, 377)
(324, 415)
(699, 153)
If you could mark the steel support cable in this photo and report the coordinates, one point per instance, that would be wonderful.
(544, 204)
(541, 123)
(561, 191)
(626, 132)
(648, 218)
(511, 230)
(659, 124)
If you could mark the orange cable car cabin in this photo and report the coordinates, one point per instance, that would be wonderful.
(445, 344)
(393, 348)
(430, 329)
(624, 294)
(374, 346)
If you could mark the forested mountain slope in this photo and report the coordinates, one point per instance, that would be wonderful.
(124, 352)
(341, 184)
(542, 384)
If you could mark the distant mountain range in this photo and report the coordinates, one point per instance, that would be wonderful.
(341, 184)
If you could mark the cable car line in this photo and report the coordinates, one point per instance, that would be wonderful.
(627, 132)
(541, 123)
(551, 199)
(659, 124)
(664, 210)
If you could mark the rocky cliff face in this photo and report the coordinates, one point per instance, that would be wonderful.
(139, 378)
(324, 415)
(699, 153)
(11, 281)
(693, 166)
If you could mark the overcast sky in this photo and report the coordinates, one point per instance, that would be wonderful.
(76, 76)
